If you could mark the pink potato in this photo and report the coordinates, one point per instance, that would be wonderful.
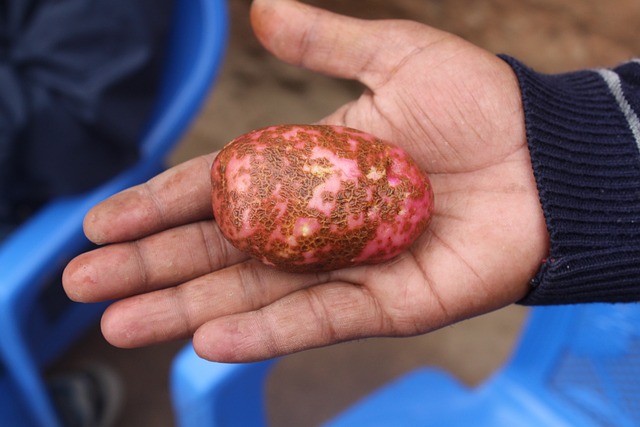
(311, 198)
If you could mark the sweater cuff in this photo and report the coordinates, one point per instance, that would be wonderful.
(583, 134)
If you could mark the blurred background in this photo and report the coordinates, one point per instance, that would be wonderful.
(255, 90)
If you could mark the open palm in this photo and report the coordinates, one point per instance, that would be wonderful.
(454, 107)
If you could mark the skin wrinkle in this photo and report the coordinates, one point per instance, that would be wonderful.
(400, 327)
(322, 316)
(376, 114)
(206, 161)
(331, 332)
(226, 304)
(415, 112)
(274, 343)
(250, 272)
(434, 291)
(485, 287)
(155, 185)
(456, 153)
(183, 304)
(142, 264)
(447, 215)
(385, 323)
(305, 42)
(478, 106)
(351, 112)
(162, 222)
(219, 252)
(344, 114)
(441, 148)
(252, 336)
(247, 273)
(410, 325)
(395, 69)
(341, 118)
(461, 114)
(389, 71)
(221, 255)
(369, 72)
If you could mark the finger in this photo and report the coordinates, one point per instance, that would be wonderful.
(313, 317)
(333, 44)
(155, 262)
(176, 312)
(178, 196)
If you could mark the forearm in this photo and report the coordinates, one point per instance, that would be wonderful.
(583, 134)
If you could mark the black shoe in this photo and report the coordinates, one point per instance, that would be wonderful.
(89, 397)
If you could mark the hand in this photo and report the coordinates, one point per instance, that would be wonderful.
(453, 106)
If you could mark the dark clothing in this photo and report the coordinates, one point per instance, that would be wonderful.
(583, 131)
(77, 81)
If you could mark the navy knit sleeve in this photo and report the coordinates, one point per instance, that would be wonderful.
(583, 131)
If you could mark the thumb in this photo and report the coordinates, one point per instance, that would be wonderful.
(329, 43)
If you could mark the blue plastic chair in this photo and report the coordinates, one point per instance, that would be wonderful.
(573, 366)
(37, 322)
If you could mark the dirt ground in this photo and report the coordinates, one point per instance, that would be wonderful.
(255, 89)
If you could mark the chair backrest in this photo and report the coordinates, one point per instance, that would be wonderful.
(195, 53)
(38, 250)
(34, 255)
(574, 365)
(585, 359)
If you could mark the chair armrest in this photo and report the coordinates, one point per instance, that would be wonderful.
(25, 255)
